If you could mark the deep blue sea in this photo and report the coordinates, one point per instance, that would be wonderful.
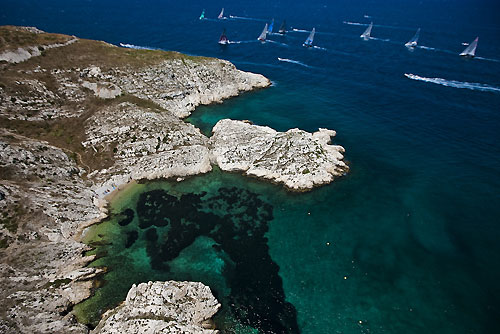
(407, 242)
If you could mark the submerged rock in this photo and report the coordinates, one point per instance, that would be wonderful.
(296, 158)
(163, 307)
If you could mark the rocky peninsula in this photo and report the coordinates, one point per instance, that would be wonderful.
(78, 119)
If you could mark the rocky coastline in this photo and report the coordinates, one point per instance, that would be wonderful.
(79, 119)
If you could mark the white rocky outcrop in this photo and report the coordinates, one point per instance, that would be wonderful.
(103, 90)
(22, 54)
(148, 144)
(295, 158)
(163, 307)
(180, 85)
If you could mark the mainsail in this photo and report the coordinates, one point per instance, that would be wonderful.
(263, 34)
(470, 51)
(309, 40)
(223, 38)
(221, 15)
(413, 42)
(270, 29)
(202, 16)
(282, 29)
(367, 33)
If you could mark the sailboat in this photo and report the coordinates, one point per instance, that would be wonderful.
(221, 15)
(470, 51)
(413, 42)
(282, 29)
(263, 34)
(223, 38)
(366, 35)
(270, 29)
(202, 16)
(309, 41)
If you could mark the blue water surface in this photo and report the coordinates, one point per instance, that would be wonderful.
(413, 229)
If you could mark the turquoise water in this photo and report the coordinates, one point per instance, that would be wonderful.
(408, 241)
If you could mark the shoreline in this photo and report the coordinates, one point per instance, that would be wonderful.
(105, 134)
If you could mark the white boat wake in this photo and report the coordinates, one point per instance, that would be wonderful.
(380, 39)
(426, 48)
(300, 30)
(132, 46)
(355, 23)
(246, 18)
(319, 48)
(243, 42)
(455, 84)
(376, 25)
(293, 62)
(488, 59)
(271, 41)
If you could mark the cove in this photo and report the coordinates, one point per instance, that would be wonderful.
(210, 228)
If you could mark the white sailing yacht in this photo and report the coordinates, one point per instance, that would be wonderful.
(470, 51)
(263, 34)
(221, 15)
(309, 41)
(413, 42)
(366, 35)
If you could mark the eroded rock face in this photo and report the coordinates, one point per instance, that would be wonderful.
(297, 159)
(43, 200)
(148, 144)
(180, 85)
(22, 54)
(163, 307)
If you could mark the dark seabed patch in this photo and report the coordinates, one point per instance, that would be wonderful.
(217, 238)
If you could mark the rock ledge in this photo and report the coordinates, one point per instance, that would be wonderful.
(295, 158)
(163, 307)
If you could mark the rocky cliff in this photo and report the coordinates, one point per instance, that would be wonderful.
(78, 118)
(163, 307)
(298, 159)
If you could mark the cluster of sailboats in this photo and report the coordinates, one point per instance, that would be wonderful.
(469, 52)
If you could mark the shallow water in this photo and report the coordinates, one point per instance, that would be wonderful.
(412, 229)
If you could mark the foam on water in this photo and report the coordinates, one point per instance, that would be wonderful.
(293, 62)
(455, 84)
(137, 47)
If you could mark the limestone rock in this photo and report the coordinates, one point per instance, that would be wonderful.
(103, 90)
(22, 54)
(296, 158)
(162, 307)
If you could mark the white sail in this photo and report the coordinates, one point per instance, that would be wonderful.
(221, 15)
(263, 35)
(413, 42)
(470, 51)
(367, 33)
(310, 39)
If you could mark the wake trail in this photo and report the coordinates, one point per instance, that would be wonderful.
(488, 59)
(436, 49)
(293, 62)
(234, 17)
(382, 39)
(319, 48)
(210, 20)
(376, 25)
(455, 53)
(243, 42)
(455, 84)
(132, 46)
(274, 42)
